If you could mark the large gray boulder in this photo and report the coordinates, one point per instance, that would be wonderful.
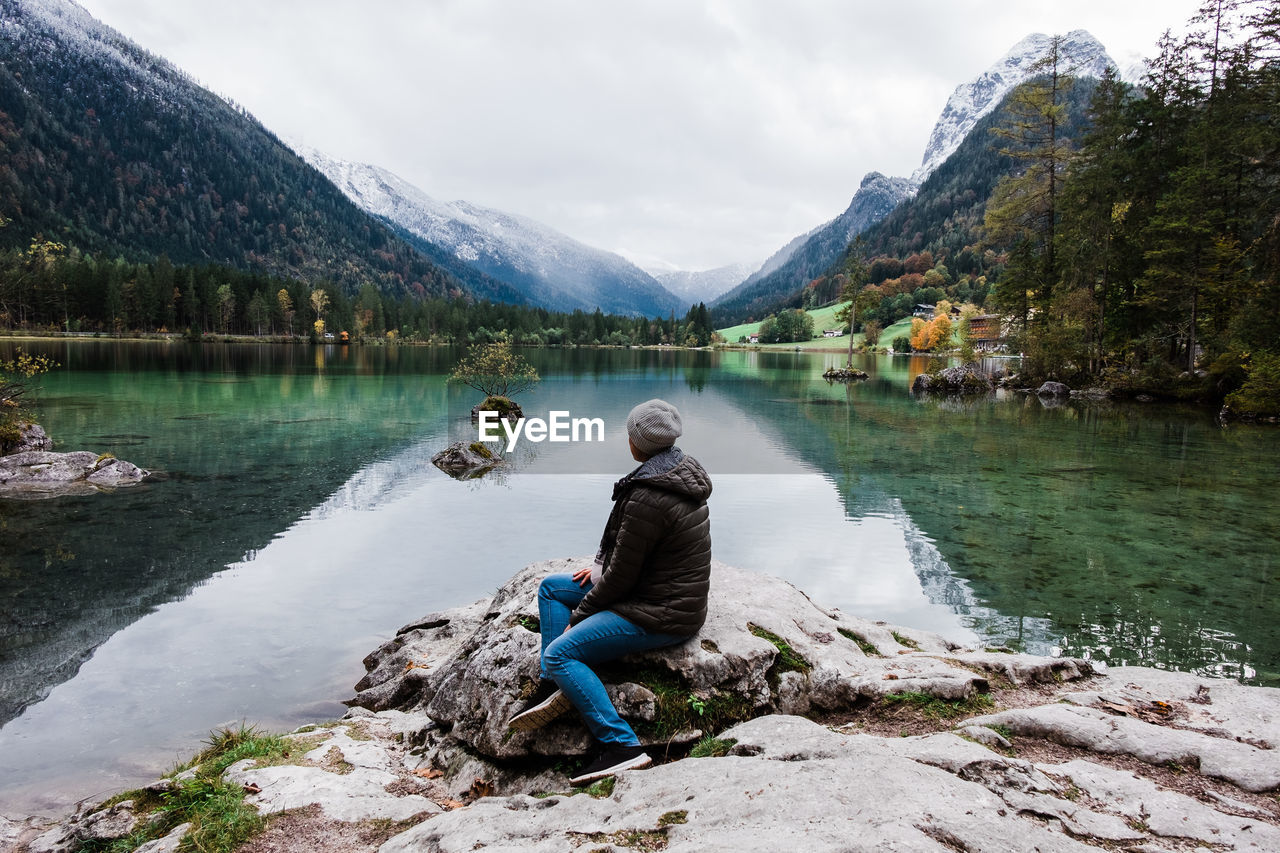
(39, 473)
(1053, 389)
(766, 648)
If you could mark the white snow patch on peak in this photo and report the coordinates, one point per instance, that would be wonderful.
(552, 268)
(1083, 55)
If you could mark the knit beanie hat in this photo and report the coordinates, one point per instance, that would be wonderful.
(654, 426)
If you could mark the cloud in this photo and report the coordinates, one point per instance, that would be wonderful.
(701, 133)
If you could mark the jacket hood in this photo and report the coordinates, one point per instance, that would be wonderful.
(673, 471)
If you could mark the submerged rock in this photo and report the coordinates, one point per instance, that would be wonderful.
(43, 474)
(967, 379)
(466, 460)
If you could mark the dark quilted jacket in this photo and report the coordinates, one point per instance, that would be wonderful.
(656, 548)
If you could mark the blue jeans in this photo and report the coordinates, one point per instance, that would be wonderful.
(567, 655)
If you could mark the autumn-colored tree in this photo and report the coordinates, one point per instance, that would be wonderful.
(17, 376)
(919, 335)
(933, 335)
(319, 303)
(286, 308)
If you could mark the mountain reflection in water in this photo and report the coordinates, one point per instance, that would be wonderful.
(302, 523)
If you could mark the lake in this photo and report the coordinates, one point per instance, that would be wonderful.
(300, 523)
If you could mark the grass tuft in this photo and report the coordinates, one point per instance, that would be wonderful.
(221, 820)
(905, 641)
(601, 789)
(679, 709)
(867, 649)
(712, 747)
(936, 708)
(789, 660)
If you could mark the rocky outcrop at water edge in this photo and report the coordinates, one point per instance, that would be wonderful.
(1052, 756)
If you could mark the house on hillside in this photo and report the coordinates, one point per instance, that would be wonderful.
(831, 333)
(753, 338)
(986, 332)
(924, 312)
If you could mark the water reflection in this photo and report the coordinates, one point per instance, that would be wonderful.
(302, 523)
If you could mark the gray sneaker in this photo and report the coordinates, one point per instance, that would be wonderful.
(545, 705)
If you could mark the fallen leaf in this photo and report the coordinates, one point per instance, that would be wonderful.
(452, 804)
(428, 773)
(480, 788)
(413, 664)
(252, 788)
(889, 676)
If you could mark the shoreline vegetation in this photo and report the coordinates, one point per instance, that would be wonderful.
(1201, 388)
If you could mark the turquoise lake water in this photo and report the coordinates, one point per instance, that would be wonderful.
(300, 523)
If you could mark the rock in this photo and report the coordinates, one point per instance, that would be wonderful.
(39, 473)
(31, 436)
(843, 374)
(60, 839)
(109, 824)
(1053, 389)
(168, 844)
(348, 779)
(465, 460)
(987, 737)
(800, 781)
(1215, 706)
(1096, 730)
(765, 648)
(968, 379)
(87, 825)
(506, 409)
(1165, 813)
(1098, 393)
(16, 834)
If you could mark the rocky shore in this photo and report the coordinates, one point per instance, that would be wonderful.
(782, 720)
(31, 470)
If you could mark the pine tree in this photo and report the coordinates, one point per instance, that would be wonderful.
(1024, 206)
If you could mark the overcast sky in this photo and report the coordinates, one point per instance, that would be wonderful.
(689, 133)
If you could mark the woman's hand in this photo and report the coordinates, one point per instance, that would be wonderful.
(582, 576)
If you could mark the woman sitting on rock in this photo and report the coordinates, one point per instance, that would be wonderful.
(647, 589)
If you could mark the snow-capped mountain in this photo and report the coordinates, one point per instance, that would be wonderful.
(694, 286)
(1082, 55)
(818, 250)
(552, 269)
